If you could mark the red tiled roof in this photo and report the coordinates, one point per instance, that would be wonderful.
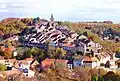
(47, 62)
(69, 45)
(86, 58)
(60, 60)
(11, 48)
(29, 59)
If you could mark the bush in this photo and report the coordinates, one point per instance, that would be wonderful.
(102, 72)
(3, 67)
(102, 64)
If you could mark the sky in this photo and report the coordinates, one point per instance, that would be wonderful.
(65, 10)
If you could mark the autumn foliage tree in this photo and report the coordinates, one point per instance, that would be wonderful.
(8, 53)
(11, 25)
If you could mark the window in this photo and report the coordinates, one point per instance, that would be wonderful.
(87, 49)
(98, 51)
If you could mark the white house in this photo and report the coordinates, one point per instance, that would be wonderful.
(104, 57)
(90, 62)
(2, 60)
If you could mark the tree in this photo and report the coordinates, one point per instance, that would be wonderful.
(12, 26)
(3, 67)
(8, 53)
(85, 33)
(56, 52)
(110, 76)
(79, 53)
(51, 51)
(22, 53)
(37, 53)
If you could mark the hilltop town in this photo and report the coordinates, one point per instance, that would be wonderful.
(34, 49)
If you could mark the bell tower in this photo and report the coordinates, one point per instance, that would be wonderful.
(52, 20)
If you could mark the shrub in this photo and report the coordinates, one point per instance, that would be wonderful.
(102, 64)
(3, 67)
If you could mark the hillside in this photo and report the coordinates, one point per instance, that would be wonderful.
(63, 31)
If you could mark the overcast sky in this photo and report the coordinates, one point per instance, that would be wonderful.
(72, 10)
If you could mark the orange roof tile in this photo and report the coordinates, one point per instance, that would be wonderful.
(11, 48)
(69, 45)
(47, 62)
(86, 58)
(60, 60)
(29, 59)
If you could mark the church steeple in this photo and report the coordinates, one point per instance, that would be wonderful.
(51, 18)
(52, 21)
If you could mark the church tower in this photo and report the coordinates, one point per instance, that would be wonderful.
(51, 18)
(52, 21)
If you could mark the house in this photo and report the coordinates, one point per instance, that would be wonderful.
(11, 72)
(118, 63)
(2, 60)
(95, 62)
(93, 47)
(108, 34)
(24, 66)
(29, 60)
(61, 63)
(104, 57)
(28, 73)
(85, 61)
(48, 62)
(33, 65)
(14, 53)
(78, 62)
(89, 62)
(9, 63)
(26, 63)
(87, 46)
